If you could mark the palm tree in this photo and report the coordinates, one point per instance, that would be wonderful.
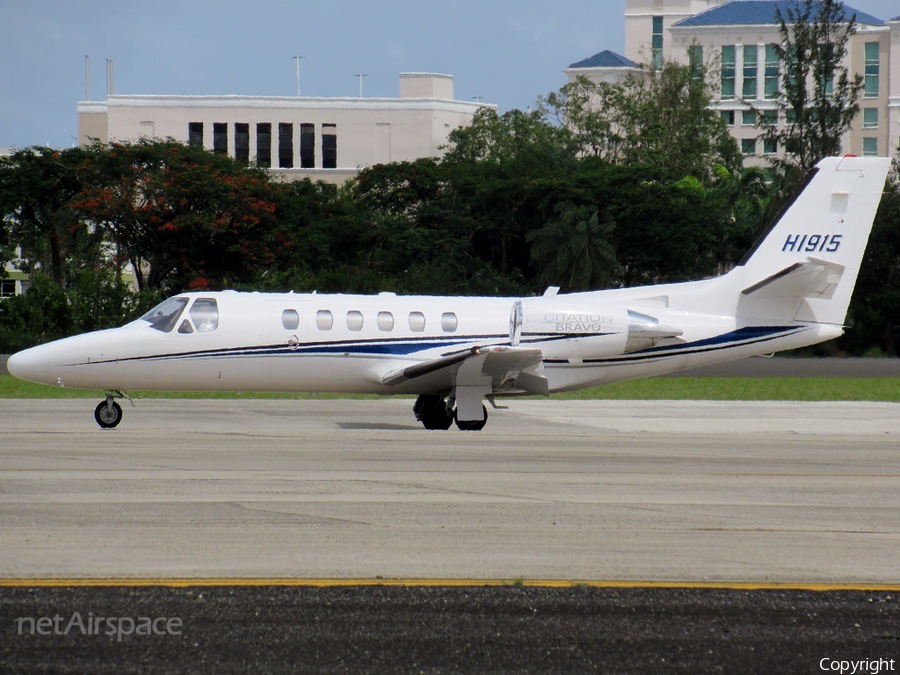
(574, 250)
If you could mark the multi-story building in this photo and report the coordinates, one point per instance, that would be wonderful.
(736, 40)
(327, 139)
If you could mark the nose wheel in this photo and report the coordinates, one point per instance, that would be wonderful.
(108, 414)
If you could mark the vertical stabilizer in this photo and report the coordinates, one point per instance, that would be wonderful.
(805, 267)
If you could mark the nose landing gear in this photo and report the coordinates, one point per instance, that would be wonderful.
(109, 413)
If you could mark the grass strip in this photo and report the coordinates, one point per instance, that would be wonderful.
(670, 388)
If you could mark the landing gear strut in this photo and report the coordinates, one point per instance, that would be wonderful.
(109, 413)
(431, 411)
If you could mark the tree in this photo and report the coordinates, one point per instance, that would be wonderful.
(818, 98)
(37, 189)
(184, 217)
(657, 117)
(875, 308)
(575, 250)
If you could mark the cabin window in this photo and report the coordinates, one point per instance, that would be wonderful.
(290, 319)
(205, 313)
(385, 321)
(354, 320)
(185, 327)
(324, 320)
(165, 315)
(449, 322)
(416, 322)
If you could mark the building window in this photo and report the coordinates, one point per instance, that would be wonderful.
(873, 68)
(727, 117)
(769, 117)
(416, 322)
(770, 84)
(695, 59)
(750, 64)
(195, 134)
(242, 143)
(324, 320)
(728, 67)
(220, 138)
(286, 145)
(307, 146)
(7, 288)
(790, 116)
(329, 146)
(748, 118)
(264, 144)
(354, 320)
(870, 147)
(748, 146)
(770, 146)
(656, 44)
(290, 319)
(870, 118)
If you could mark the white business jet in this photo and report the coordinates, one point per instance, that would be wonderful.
(791, 290)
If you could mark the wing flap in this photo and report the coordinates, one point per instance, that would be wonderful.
(500, 365)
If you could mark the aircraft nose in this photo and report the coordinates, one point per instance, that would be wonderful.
(32, 365)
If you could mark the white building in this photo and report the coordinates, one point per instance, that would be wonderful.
(327, 139)
(735, 38)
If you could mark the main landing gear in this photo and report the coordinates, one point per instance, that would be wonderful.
(436, 413)
(109, 413)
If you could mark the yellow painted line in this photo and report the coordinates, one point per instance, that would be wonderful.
(434, 583)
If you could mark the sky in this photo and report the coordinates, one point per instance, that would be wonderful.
(506, 52)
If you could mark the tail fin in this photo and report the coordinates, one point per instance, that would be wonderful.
(805, 267)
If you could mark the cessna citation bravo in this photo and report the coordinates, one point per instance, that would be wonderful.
(791, 290)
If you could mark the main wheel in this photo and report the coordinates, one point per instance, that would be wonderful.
(473, 425)
(431, 411)
(108, 415)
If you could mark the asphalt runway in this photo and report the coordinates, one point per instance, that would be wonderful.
(696, 491)
(798, 498)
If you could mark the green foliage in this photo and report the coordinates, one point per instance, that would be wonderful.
(37, 190)
(874, 315)
(574, 250)
(654, 117)
(40, 315)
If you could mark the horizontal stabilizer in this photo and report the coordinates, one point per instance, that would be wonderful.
(813, 278)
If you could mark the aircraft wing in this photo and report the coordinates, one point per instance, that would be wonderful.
(813, 278)
(499, 366)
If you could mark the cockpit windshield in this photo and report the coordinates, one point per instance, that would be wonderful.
(165, 315)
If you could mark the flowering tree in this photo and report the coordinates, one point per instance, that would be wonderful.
(184, 217)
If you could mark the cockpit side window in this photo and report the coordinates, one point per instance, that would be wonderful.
(165, 315)
(205, 313)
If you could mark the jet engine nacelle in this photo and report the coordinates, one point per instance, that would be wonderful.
(570, 329)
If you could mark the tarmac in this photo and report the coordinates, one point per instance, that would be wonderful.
(340, 536)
